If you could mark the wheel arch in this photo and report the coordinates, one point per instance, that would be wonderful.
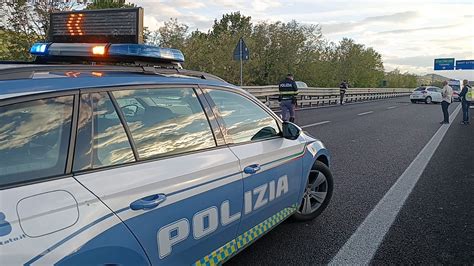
(323, 159)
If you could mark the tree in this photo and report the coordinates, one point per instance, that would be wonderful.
(104, 4)
(173, 34)
(396, 79)
(26, 24)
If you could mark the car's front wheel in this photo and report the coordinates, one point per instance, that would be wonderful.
(317, 193)
(413, 101)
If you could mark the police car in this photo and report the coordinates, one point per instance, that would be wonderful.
(143, 163)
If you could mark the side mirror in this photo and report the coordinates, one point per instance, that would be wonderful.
(291, 131)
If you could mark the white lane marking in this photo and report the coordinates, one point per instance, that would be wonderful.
(366, 113)
(392, 107)
(316, 124)
(362, 245)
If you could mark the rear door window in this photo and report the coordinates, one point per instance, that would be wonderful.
(165, 121)
(101, 139)
(34, 139)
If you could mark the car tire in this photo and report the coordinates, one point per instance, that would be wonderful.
(317, 194)
(428, 100)
(413, 101)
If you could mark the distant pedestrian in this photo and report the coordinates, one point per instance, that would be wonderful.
(288, 91)
(466, 96)
(447, 93)
(342, 90)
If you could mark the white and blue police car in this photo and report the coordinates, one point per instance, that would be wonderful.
(142, 162)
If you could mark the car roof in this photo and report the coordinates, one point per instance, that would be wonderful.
(27, 79)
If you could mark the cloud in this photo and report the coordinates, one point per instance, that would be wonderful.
(263, 5)
(423, 61)
(395, 18)
(402, 31)
(188, 4)
(228, 4)
(400, 17)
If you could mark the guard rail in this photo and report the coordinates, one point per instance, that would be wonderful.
(311, 97)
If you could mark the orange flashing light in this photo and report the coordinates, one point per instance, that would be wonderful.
(97, 74)
(98, 50)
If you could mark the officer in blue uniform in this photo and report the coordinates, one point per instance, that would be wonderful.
(288, 91)
(466, 96)
(342, 90)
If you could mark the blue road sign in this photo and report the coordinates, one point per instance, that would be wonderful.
(241, 52)
(464, 64)
(444, 64)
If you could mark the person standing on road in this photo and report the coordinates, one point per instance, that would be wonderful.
(466, 96)
(288, 91)
(447, 93)
(342, 90)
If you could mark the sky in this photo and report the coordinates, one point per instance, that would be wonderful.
(408, 34)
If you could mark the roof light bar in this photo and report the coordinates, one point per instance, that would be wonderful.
(98, 52)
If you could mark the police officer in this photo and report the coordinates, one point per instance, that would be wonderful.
(342, 89)
(467, 95)
(288, 91)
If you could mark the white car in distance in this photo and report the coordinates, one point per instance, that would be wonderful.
(426, 94)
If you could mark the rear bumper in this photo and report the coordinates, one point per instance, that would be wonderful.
(417, 97)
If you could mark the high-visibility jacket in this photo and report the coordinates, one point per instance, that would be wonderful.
(467, 94)
(287, 89)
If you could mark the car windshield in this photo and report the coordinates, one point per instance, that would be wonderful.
(420, 89)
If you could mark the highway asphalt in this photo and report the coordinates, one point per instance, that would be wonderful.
(372, 144)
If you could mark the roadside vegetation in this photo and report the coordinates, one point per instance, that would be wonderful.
(276, 48)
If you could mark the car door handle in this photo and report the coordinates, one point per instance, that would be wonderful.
(252, 169)
(148, 203)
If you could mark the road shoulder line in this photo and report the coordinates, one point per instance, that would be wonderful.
(365, 113)
(316, 124)
(364, 243)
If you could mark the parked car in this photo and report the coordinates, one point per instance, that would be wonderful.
(457, 86)
(301, 85)
(426, 94)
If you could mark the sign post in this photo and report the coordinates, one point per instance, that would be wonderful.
(241, 53)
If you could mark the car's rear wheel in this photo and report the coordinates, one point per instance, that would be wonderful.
(317, 193)
(428, 100)
(413, 101)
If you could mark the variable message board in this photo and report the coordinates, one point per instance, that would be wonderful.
(123, 25)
